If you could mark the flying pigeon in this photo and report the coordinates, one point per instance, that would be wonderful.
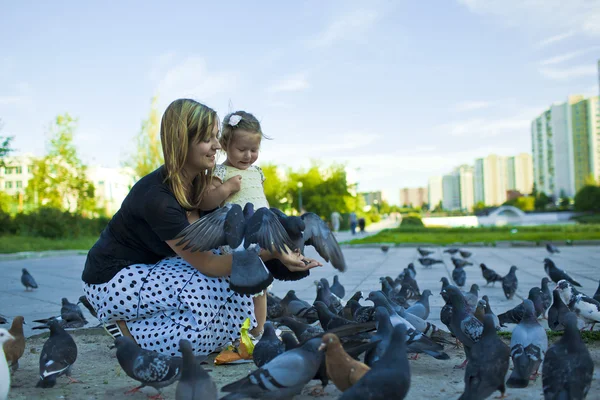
(28, 281)
(4, 373)
(510, 283)
(489, 275)
(568, 367)
(145, 366)
(528, 344)
(337, 288)
(488, 364)
(268, 347)
(282, 377)
(582, 305)
(557, 274)
(14, 348)
(195, 383)
(58, 356)
(342, 369)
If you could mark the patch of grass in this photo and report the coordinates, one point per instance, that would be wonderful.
(489, 235)
(15, 244)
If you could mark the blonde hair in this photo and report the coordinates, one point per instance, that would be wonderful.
(248, 123)
(184, 122)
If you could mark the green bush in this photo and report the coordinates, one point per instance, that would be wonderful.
(588, 219)
(588, 199)
(411, 220)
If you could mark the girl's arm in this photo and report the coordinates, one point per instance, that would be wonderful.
(218, 192)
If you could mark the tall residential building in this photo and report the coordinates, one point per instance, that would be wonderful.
(451, 192)
(435, 192)
(464, 175)
(565, 146)
(519, 171)
(490, 180)
(372, 198)
(414, 196)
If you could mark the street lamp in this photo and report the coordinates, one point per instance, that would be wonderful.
(299, 197)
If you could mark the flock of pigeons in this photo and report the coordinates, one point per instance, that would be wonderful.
(362, 348)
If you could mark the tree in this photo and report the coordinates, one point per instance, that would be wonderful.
(148, 154)
(542, 200)
(588, 199)
(276, 186)
(564, 201)
(59, 179)
(5, 148)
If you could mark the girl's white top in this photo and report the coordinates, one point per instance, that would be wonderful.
(252, 190)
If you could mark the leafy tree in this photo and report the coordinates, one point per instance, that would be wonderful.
(148, 154)
(479, 206)
(276, 187)
(588, 199)
(5, 148)
(542, 201)
(59, 179)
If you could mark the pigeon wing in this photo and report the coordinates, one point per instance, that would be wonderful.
(150, 367)
(265, 229)
(208, 232)
(318, 235)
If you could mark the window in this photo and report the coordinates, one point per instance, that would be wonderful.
(8, 171)
(19, 184)
(8, 185)
(18, 170)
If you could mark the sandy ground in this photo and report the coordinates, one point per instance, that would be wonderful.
(102, 378)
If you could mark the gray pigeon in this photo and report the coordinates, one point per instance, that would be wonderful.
(472, 296)
(325, 295)
(458, 262)
(557, 312)
(3, 320)
(510, 283)
(552, 248)
(382, 336)
(546, 295)
(145, 366)
(389, 378)
(586, 308)
(28, 281)
(294, 307)
(268, 347)
(303, 332)
(557, 274)
(488, 311)
(70, 317)
(451, 250)
(568, 368)
(489, 275)
(83, 300)
(459, 276)
(428, 261)
(421, 307)
(57, 357)
(528, 344)
(424, 252)
(337, 288)
(514, 315)
(488, 364)
(195, 382)
(597, 294)
(465, 254)
(281, 378)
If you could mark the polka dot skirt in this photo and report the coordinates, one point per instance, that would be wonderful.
(171, 300)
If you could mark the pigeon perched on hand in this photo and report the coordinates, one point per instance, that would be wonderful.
(4, 373)
(145, 366)
(582, 305)
(283, 377)
(489, 275)
(195, 383)
(28, 281)
(57, 357)
(528, 344)
(488, 364)
(557, 274)
(568, 367)
(14, 348)
(510, 283)
(268, 347)
(342, 369)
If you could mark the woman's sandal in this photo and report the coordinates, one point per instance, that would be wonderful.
(118, 329)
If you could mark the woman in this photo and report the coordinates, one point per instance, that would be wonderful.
(137, 277)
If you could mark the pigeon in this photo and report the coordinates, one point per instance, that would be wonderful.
(289, 341)
(465, 254)
(303, 332)
(597, 294)
(557, 312)
(57, 357)
(324, 295)
(274, 308)
(70, 317)
(489, 275)
(330, 321)
(488, 311)
(385, 248)
(4, 373)
(360, 313)
(460, 262)
(382, 336)
(552, 248)
(145, 366)
(424, 252)
(557, 274)
(3, 320)
(510, 283)
(528, 344)
(195, 383)
(586, 308)
(428, 261)
(451, 250)
(488, 364)
(472, 296)
(293, 306)
(28, 281)
(283, 377)
(337, 288)
(389, 378)
(83, 300)
(568, 366)
(464, 326)
(15, 347)
(515, 315)
(480, 310)
(445, 282)
(459, 276)
(342, 369)
(421, 307)
(268, 347)
(546, 295)
(410, 285)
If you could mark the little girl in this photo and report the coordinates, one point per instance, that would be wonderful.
(238, 181)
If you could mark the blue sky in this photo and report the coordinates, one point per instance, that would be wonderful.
(398, 90)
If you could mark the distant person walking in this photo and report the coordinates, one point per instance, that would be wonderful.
(361, 224)
(353, 222)
(335, 221)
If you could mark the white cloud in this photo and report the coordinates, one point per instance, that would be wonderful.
(191, 78)
(347, 26)
(568, 17)
(567, 73)
(294, 83)
(472, 105)
(568, 56)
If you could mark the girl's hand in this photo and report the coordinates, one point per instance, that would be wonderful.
(294, 261)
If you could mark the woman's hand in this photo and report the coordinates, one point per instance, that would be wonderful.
(294, 261)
